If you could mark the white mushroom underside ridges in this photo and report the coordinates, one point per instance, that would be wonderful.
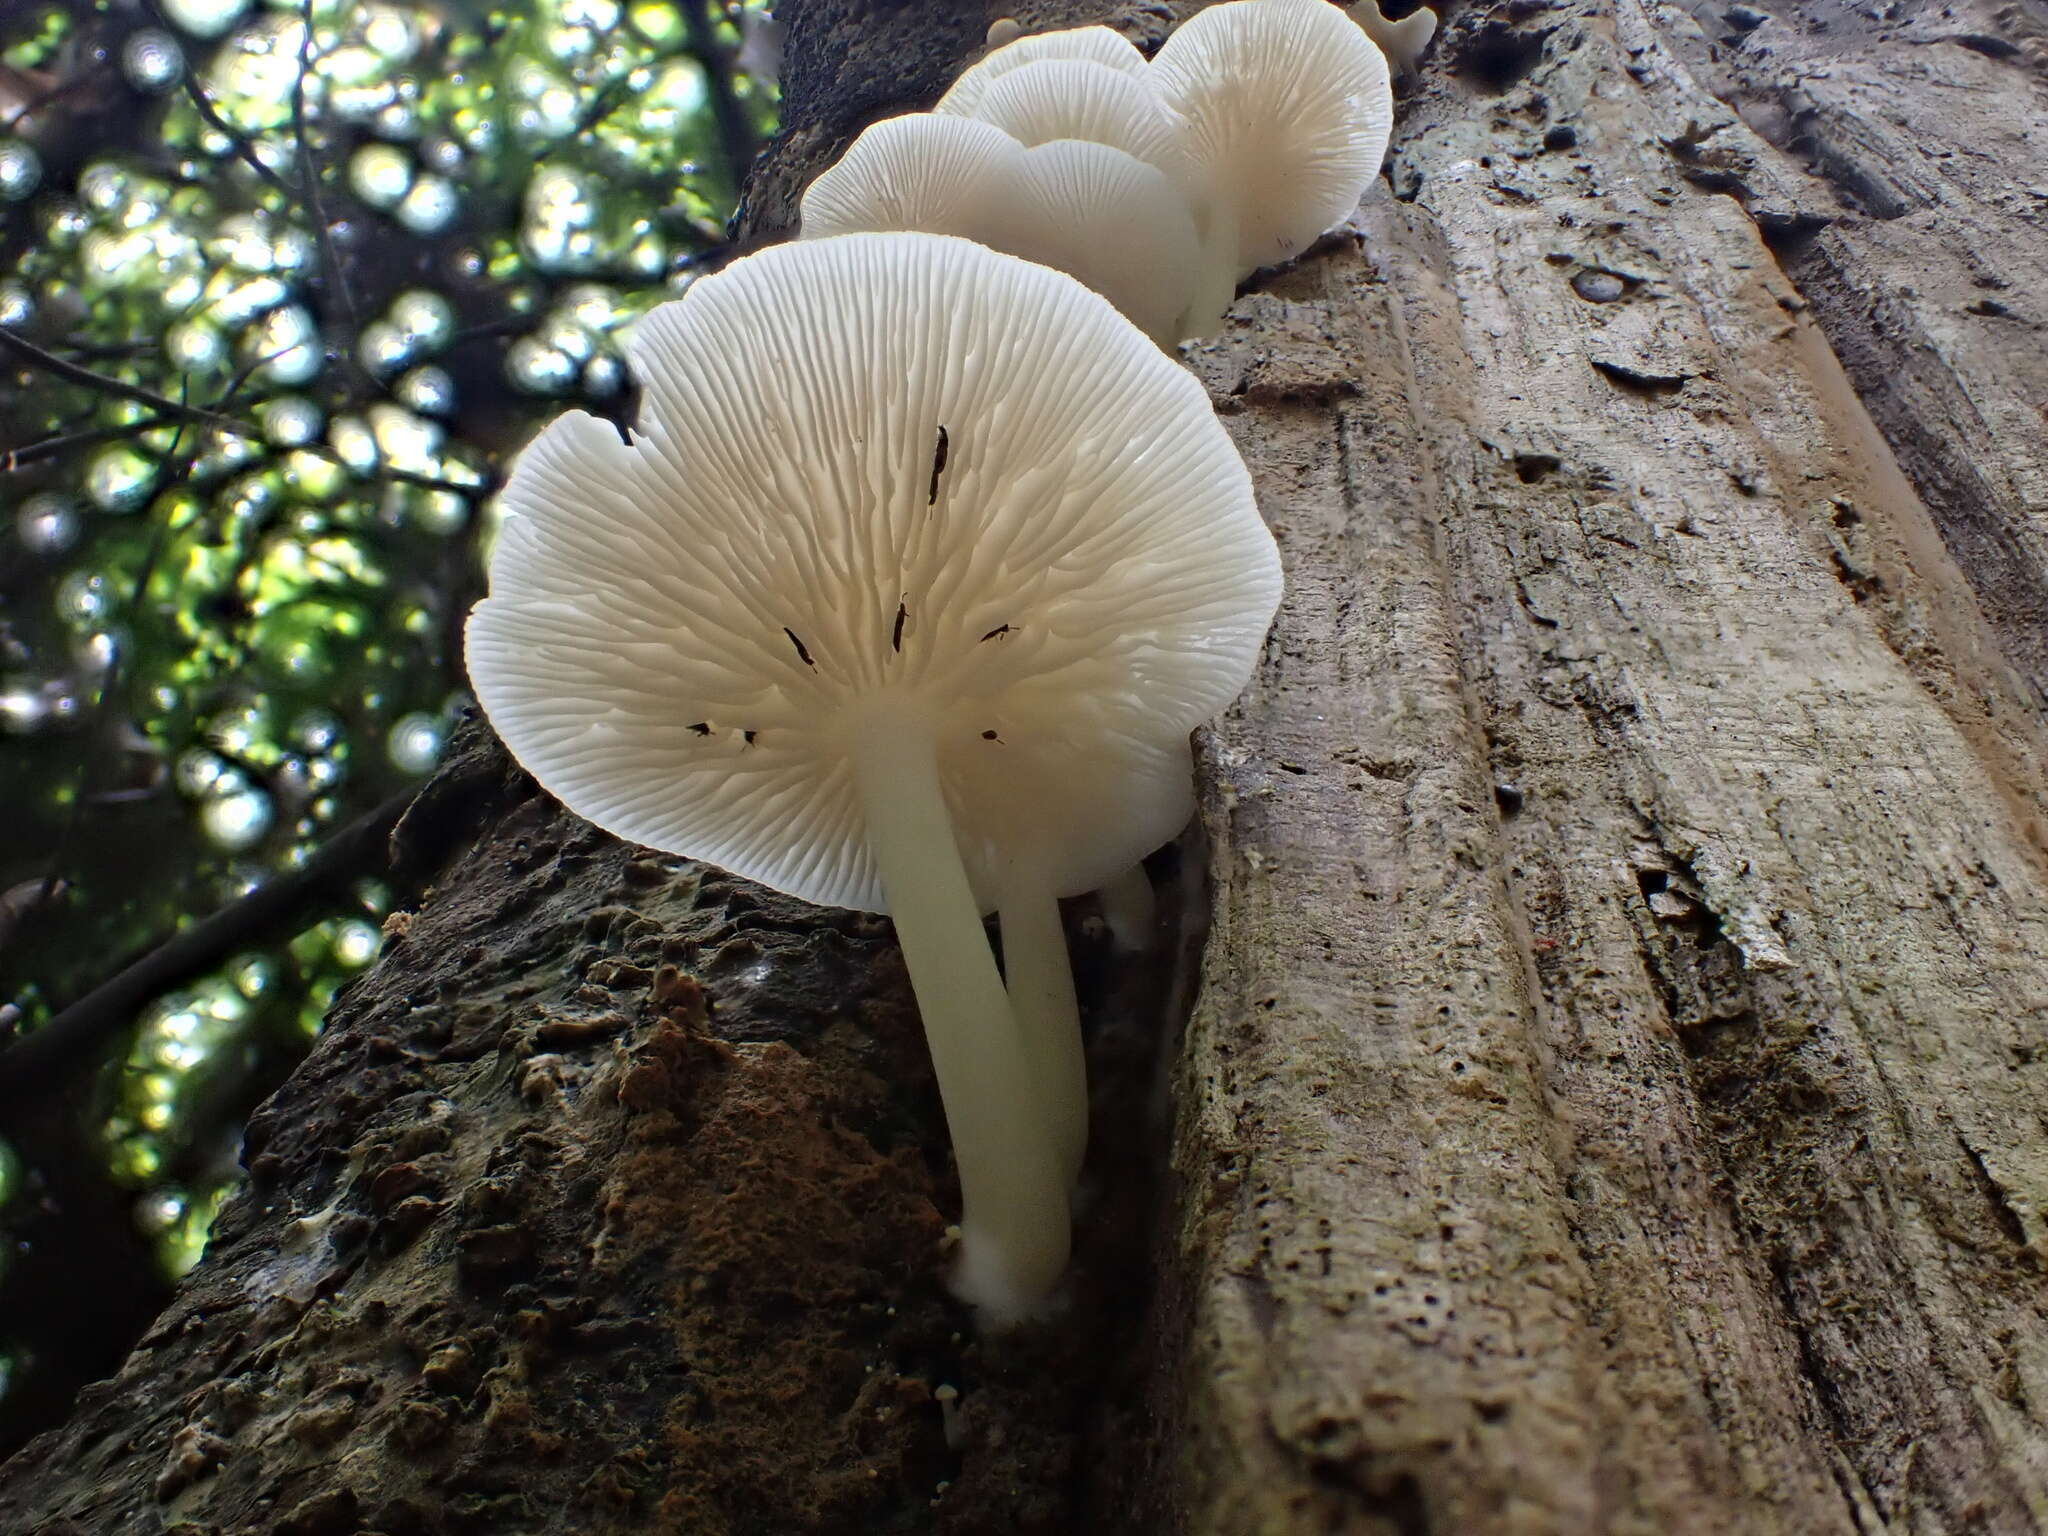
(1116, 222)
(943, 175)
(1288, 108)
(1096, 44)
(684, 632)
(1259, 124)
(1053, 99)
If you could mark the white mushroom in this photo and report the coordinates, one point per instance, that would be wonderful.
(942, 175)
(1040, 972)
(1096, 45)
(1113, 221)
(1289, 109)
(1401, 41)
(1130, 910)
(1116, 222)
(903, 594)
(1051, 99)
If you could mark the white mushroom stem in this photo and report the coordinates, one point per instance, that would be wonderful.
(1013, 1221)
(1130, 909)
(1401, 41)
(1217, 274)
(1041, 978)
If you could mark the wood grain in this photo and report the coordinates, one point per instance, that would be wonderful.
(1616, 1098)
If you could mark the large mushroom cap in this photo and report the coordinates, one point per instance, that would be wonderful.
(878, 476)
(1289, 109)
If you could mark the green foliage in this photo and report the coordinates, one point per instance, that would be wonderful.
(388, 238)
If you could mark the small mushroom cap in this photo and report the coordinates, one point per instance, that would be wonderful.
(1401, 41)
(1118, 224)
(686, 630)
(1097, 45)
(943, 175)
(1289, 108)
(1052, 99)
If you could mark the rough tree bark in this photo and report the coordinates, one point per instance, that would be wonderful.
(1600, 1074)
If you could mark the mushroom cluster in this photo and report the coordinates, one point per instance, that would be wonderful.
(903, 594)
(1159, 184)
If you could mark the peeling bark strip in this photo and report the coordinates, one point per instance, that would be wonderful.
(1927, 127)
(1615, 1100)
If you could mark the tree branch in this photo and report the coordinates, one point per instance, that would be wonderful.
(73, 1040)
(163, 405)
(735, 131)
(176, 410)
(12, 459)
(210, 115)
(309, 177)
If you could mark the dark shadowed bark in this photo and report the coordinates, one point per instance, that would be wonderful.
(1600, 1061)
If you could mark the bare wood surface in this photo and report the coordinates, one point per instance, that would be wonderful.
(1616, 1097)
(1927, 126)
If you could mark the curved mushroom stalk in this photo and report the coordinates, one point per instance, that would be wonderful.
(1014, 1224)
(1041, 984)
(1130, 909)
(1401, 41)
(1217, 269)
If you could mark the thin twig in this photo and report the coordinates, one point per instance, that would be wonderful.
(163, 405)
(209, 114)
(735, 132)
(238, 141)
(75, 1037)
(176, 410)
(112, 348)
(55, 447)
(309, 177)
(608, 100)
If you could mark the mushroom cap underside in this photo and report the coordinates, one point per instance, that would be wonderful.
(1078, 99)
(1117, 223)
(1289, 108)
(942, 175)
(886, 472)
(1095, 45)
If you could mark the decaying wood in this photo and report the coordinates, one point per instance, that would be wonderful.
(1616, 1099)
(1617, 1095)
(609, 1201)
(1929, 126)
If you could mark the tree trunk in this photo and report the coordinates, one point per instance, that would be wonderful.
(1601, 1069)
